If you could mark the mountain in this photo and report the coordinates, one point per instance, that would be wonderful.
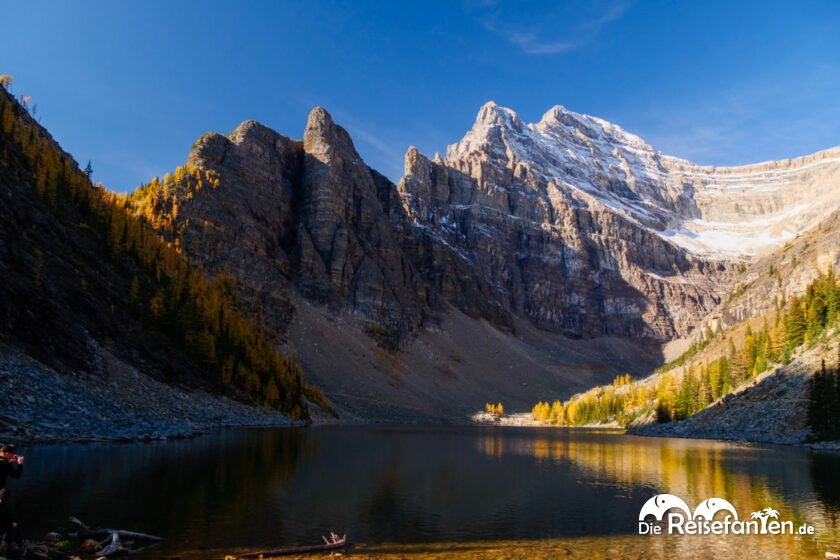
(772, 227)
(324, 247)
(719, 212)
(569, 249)
(749, 375)
(532, 260)
(551, 227)
(97, 314)
(648, 241)
(309, 215)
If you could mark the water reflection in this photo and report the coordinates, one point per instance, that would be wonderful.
(478, 488)
(803, 485)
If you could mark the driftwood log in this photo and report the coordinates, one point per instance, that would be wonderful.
(110, 548)
(100, 533)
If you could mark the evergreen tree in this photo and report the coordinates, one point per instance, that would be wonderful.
(833, 406)
(705, 393)
(777, 339)
(134, 296)
(786, 357)
(750, 353)
(819, 402)
(738, 364)
(795, 323)
(726, 376)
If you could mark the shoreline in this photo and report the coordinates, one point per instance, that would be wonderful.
(666, 431)
(524, 420)
(42, 406)
(237, 423)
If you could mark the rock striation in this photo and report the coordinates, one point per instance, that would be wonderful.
(561, 256)
(310, 218)
(571, 225)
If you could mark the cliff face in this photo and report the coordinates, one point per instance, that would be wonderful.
(571, 226)
(483, 232)
(558, 254)
(311, 219)
(587, 229)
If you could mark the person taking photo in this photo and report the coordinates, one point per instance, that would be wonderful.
(11, 464)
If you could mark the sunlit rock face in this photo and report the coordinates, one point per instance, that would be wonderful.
(716, 212)
(585, 227)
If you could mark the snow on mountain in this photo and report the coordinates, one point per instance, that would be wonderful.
(716, 212)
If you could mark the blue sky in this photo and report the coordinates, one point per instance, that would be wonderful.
(131, 85)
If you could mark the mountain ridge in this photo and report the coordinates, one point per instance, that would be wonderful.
(568, 224)
(690, 205)
(312, 233)
(492, 116)
(552, 243)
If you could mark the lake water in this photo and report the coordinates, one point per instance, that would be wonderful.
(466, 492)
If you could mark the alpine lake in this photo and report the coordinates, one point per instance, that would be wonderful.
(429, 492)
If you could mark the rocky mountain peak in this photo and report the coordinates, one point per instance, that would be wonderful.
(210, 147)
(713, 212)
(326, 140)
(251, 131)
(416, 164)
(492, 114)
(250, 142)
(494, 130)
(559, 119)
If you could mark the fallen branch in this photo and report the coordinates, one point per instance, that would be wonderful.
(113, 548)
(100, 533)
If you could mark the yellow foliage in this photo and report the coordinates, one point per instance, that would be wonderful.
(198, 313)
(491, 408)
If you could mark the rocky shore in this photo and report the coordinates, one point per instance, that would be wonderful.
(521, 419)
(772, 409)
(38, 404)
